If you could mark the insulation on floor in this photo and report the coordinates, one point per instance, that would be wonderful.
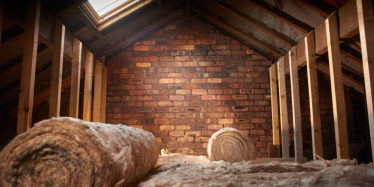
(72, 152)
(181, 170)
(230, 145)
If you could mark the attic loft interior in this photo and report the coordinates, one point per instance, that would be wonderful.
(293, 78)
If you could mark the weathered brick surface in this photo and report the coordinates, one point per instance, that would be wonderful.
(187, 81)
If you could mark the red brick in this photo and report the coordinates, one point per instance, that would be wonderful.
(150, 81)
(167, 80)
(143, 98)
(158, 32)
(185, 36)
(183, 92)
(237, 47)
(198, 80)
(176, 97)
(165, 103)
(208, 97)
(208, 41)
(214, 127)
(213, 69)
(136, 103)
(143, 64)
(214, 80)
(197, 58)
(190, 64)
(218, 46)
(135, 81)
(161, 121)
(193, 133)
(166, 58)
(176, 133)
(170, 27)
(193, 42)
(226, 121)
(189, 75)
(136, 59)
(172, 47)
(216, 115)
(174, 75)
(150, 103)
(141, 48)
(136, 92)
(157, 48)
(167, 127)
(182, 58)
(150, 58)
(229, 80)
(258, 120)
(239, 97)
(128, 87)
(199, 91)
(147, 42)
(182, 80)
(174, 64)
(120, 70)
(126, 76)
(236, 74)
(206, 63)
(245, 68)
(237, 52)
(236, 85)
(215, 91)
(224, 97)
(190, 86)
(144, 87)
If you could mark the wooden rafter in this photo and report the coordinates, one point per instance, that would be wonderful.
(297, 24)
(321, 7)
(87, 95)
(97, 107)
(75, 78)
(275, 108)
(251, 21)
(26, 95)
(271, 50)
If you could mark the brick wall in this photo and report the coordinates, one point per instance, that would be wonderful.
(187, 81)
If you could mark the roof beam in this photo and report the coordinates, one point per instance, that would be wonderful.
(128, 41)
(253, 22)
(270, 49)
(65, 5)
(279, 14)
(321, 7)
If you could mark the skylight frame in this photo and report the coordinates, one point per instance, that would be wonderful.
(97, 19)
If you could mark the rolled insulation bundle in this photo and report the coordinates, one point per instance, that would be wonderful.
(72, 152)
(230, 145)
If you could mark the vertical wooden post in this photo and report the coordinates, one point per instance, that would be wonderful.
(338, 101)
(87, 97)
(315, 116)
(75, 78)
(26, 95)
(56, 72)
(366, 27)
(97, 91)
(103, 94)
(295, 96)
(275, 108)
(283, 108)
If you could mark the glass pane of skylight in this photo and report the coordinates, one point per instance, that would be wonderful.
(104, 6)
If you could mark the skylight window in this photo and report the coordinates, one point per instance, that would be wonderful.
(104, 6)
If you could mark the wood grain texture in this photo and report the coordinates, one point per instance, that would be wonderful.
(366, 26)
(87, 96)
(283, 107)
(26, 95)
(56, 72)
(338, 101)
(275, 109)
(103, 94)
(97, 91)
(315, 116)
(295, 97)
(75, 78)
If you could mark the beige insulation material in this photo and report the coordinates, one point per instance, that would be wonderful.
(185, 171)
(72, 152)
(230, 145)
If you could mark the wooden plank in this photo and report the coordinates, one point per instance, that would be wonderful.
(87, 97)
(271, 49)
(321, 45)
(256, 24)
(321, 7)
(97, 91)
(275, 108)
(338, 101)
(366, 26)
(295, 97)
(103, 94)
(56, 72)
(26, 95)
(286, 18)
(315, 116)
(75, 78)
(283, 107)
(348, 22)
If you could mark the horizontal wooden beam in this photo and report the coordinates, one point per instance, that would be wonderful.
(270, 49)
(279, 14)
(321, 7)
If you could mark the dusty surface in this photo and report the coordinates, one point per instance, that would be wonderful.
(230, 145)
(72, 152)
(185, 170)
